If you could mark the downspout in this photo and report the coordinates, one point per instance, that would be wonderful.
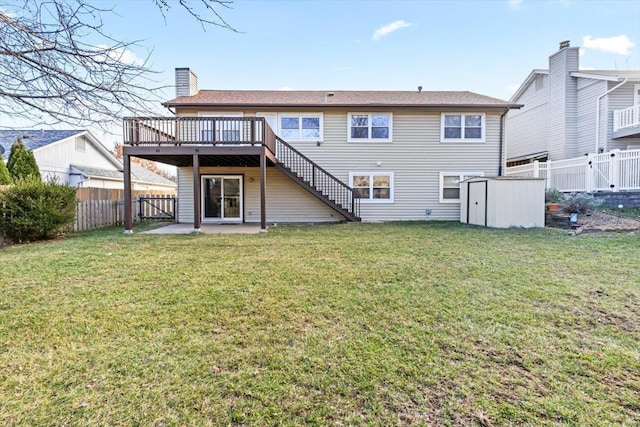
(501, 141)
(598, 115)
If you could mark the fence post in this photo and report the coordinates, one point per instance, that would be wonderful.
(548, 170)
(614, 170)
(536, 169)
(588, 177)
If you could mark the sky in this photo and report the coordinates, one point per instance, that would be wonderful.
(488, 47)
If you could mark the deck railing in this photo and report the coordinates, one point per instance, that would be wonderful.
(612, 171)
(628, 117)
(178, 131)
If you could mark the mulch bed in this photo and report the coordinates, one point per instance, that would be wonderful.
(594, 221)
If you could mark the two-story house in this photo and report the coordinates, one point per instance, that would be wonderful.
(569, 112)
(319, 156)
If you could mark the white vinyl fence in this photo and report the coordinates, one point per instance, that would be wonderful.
(613, 171)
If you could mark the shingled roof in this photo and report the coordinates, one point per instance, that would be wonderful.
(32, 139)
(326, 98)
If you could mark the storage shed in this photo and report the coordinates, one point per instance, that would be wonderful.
(502, 201)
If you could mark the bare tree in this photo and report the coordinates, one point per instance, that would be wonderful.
(50, 74)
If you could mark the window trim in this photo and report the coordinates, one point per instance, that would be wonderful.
(483, 127)
(370, 114)
(371, 175)
(461, 176)
(298, 115)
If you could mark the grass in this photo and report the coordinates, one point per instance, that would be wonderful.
(353, 324)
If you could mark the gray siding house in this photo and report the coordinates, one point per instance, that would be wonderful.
(570, 112)
(320, 156)
(78, 158)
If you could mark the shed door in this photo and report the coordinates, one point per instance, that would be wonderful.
(477, 203)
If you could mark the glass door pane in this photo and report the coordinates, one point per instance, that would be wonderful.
(213, 198)
(231, 196)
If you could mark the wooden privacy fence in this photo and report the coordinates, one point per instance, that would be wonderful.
(92, 214)
(613, 171)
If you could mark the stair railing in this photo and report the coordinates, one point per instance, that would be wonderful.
(317, 178)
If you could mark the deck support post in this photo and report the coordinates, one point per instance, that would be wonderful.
(197, 211)
(263, 191)
(128, 200)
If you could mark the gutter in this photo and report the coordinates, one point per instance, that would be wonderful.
(381, 107)
(598, 115)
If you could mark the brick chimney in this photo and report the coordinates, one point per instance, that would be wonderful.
(186, 82)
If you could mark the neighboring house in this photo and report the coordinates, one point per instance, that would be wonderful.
(569, 112)
(318, 156)
(77, 158)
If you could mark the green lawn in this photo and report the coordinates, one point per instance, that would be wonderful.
(351, 324)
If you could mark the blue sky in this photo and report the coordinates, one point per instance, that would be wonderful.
(487, 47)
(482, 46)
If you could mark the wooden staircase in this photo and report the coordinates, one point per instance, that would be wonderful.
(317, 181)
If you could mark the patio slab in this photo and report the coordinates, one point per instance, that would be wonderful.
(206, 229)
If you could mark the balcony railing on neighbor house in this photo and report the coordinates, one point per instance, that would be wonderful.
(613, 171)
(629, 117)
(177, 131)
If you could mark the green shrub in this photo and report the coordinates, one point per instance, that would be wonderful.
(553, 195)
(580, 203)
(34, 210)
(5, 178)
(21, 162)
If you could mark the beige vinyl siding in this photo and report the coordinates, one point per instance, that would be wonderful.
(415, 156)
(286, 200)
(527, 129)
(588, 92)
(619, 99)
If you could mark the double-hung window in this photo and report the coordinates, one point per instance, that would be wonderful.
(295, 126)
(300, 127)
(467, 127)
(450, 185)
(369, 127)
(372, 186)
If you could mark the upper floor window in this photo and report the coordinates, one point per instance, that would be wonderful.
(369, 127)
(300, 127)
(462, 127)
(295, 126)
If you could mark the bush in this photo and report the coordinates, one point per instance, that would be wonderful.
(5, 178)
(580, 203)
(552, 195)
(34, 210)
(21, 162)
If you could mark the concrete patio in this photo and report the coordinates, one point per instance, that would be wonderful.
(206, 229)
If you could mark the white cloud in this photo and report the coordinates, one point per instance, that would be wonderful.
(617, 44)
(286, 88)
(120, 54)
(389, 28)
(581, 52)
(514, 3)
